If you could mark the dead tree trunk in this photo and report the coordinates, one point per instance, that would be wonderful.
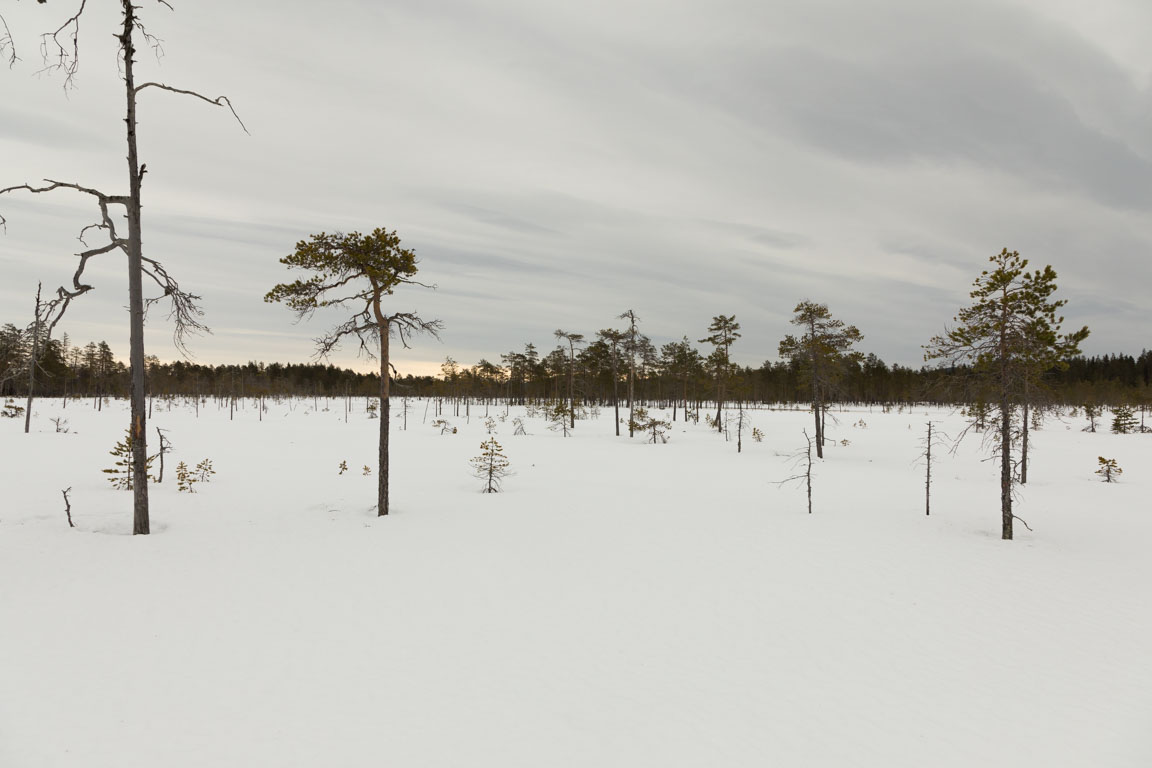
(184, 307)
(138, 429)
(928, 472)
(32, 362)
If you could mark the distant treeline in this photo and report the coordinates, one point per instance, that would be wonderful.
(661, 377)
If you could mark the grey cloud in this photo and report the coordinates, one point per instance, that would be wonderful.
(954, 102)
(498, 219)
(770, 238)
(45, 130)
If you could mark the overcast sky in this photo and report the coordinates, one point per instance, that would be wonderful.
(554, 163)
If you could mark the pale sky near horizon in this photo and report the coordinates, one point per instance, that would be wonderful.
(554, 164)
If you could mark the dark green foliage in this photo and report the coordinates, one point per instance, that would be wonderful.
(722, 334)
(642, 422)
(822, 354)
(1124, 420)
(120, 474)
(560, 417)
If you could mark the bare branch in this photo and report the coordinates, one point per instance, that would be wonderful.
(54, 310)
(361, 325)
(408, 324)
(7, 44)
(219, 101)
(66, 56)
(185, 310)
(54, 185)
(410, 281)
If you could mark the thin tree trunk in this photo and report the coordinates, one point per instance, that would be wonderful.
(928, 474)
(1005, 470)
(140, 522)
(615, 394)
(631, 395)
(385, 418)
(572, 385)
(719, 403)
(32, 362)
(1024, 442)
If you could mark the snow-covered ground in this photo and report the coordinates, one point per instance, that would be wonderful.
(621, 604)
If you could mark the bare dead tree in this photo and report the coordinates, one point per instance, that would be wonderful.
(165, 447)
(60, 52)
(741, 420)
(33, 360)
(802, 462)
(933, 438)
(68, 506)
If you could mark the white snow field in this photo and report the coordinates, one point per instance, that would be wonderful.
(621, 604)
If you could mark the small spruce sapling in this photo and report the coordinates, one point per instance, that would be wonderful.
(1123, 420)
(120, 473)
(491, 466)
(559, 417)
(11, 410)
(184, 479)
(641, 421)
(204, 471)
(444, 427)
(343, 467)
(1109, 470)
(1091, 412)
(165, 447)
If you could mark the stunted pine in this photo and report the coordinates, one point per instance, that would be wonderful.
(1108, 470)
(723, 333)
(491, 466)
(821, 353)
(643, 421)
(358, 271)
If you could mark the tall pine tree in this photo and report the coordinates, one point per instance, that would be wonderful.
(1009, 331)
